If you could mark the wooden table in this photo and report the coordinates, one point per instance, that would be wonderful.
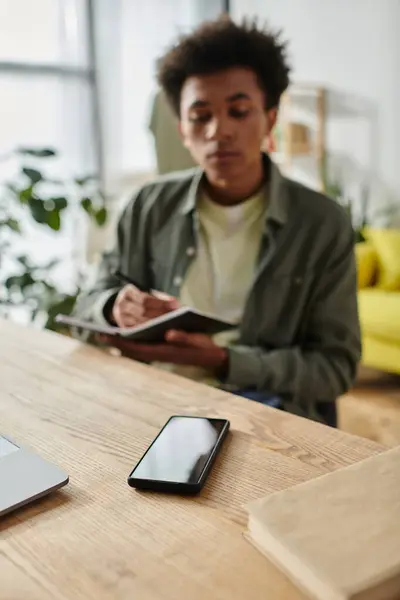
(94, 414)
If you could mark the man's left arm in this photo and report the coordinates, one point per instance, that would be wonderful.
(324, 365)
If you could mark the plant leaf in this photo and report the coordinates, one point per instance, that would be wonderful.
(54, 220)
(83, 180)
(25, 195)
(37, 152)
(20, 281)
(87, 206)
(358, 236)
(64, 306)
(12, 224)
(38, 210)
(101, 216)
(60, 202)
(33, 174)
(23, 260)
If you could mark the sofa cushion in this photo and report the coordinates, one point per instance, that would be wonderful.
(387, 245)
(380, 313)
(367, 261)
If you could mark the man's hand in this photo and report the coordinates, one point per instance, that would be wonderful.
(180, 348)
(133, 307)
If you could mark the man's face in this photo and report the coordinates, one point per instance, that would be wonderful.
(223, 122)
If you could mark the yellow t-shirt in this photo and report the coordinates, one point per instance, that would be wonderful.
(220, 277)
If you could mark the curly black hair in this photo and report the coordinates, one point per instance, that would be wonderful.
(222, 44)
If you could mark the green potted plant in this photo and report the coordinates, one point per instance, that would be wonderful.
(32, 198)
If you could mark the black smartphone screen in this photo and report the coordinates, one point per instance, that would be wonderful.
(181, 451)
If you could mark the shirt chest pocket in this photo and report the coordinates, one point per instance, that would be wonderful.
(279, 307)
(168, 272)
(171, 251)
(160, 272)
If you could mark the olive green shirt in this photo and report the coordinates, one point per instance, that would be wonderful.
(299, 337)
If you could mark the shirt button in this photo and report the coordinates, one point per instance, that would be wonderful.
(190, 251)
(177, 281)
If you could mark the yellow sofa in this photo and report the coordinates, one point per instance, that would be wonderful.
(378, 264)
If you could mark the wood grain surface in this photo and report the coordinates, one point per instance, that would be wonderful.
(94, 414)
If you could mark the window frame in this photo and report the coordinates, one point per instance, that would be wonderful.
(87, 74)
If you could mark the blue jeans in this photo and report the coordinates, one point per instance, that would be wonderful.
(327, 410)
(262, 397)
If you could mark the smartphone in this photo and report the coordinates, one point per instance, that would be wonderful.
(181, 456)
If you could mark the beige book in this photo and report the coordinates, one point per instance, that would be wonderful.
(337, 537)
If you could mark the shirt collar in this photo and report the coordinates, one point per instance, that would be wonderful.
(277, 193)
(190, 201)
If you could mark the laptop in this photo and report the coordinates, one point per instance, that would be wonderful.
(25, 476)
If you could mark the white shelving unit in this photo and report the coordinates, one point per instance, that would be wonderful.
(300, 134)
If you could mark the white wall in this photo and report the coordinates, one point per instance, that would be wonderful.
(353, 48)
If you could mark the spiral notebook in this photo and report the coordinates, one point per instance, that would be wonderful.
(154, 330)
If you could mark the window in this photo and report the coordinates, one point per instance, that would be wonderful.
(45, 80)
(47, 99)
(44, 32)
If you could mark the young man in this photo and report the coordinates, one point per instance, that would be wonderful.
(236, 239)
